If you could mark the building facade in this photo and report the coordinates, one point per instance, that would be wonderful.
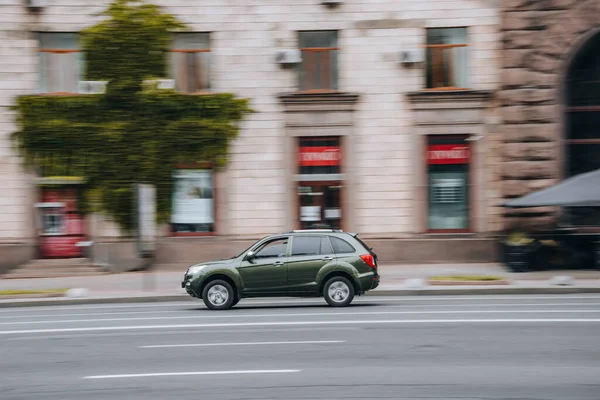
(550, 104)
(374, 117)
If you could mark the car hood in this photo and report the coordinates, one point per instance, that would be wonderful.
(217, 262)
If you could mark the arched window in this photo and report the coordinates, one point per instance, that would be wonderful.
(583, 122)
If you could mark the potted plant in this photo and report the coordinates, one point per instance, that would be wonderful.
(518, 248)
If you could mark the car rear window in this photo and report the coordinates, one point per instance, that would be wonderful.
(340, 246)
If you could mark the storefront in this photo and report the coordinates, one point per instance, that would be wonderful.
(448, 184)
(320, 187)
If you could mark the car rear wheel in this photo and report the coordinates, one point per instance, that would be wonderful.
(218, 295)
(338, 291)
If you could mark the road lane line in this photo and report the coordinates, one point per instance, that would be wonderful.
(281, 302)
(520, 305)
(212, 332)
(280, 315)
(301, 323)
(160, 346)
(263, 371)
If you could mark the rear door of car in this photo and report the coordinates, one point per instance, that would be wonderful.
(309, 254)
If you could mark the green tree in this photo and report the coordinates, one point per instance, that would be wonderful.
(131, 133)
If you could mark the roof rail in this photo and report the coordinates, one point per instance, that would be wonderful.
(313, 230)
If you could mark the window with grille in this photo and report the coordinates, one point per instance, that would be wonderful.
(61, 62)
(447, 192)
(191, 62)
(447, 58)
(319, 68)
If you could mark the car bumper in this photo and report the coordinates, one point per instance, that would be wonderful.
(368, 281)
(186, 284)
(375, 282)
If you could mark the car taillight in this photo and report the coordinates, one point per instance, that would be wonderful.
(369, 259)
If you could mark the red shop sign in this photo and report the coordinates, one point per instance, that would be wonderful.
(448, 154)
(319, 156)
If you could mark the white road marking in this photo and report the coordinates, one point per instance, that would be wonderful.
(212, 332)
(300, 323)
(283, 301)
(160, 346)
(258, 371)
(483, 305)
(56, 307)
(279, 315)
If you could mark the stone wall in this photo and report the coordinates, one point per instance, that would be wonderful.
(539, 38)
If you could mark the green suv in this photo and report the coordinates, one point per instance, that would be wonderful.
(306, 263)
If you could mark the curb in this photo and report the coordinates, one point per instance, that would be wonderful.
(394, 292)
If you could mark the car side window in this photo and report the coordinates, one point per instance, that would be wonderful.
(311, 246)
(340, 246)
(306, 246)
(275, 248)
(326, 246)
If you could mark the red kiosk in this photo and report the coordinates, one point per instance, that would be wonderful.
(61, 226)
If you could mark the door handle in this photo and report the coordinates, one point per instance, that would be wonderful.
(278, 263)
(328, 258)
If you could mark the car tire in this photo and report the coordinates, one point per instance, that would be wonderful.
(235, 301)
(218, 295)
(338, 291)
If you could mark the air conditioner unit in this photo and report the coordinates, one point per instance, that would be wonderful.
(412, 56)
(36, 3)
(162, 84)
(165, 83)
(92, 87)
(292, 56)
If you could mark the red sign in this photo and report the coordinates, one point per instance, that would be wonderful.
(319, 156)
(448, 154)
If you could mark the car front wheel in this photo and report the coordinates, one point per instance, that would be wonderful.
(218, 295)
(338, 291)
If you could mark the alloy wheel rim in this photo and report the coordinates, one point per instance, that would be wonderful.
(218, 295)
(339, 291)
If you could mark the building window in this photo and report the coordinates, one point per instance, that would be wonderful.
(190, 62)
(319, 68)
(448, 183)
(193, 209)
(320, 188)
(61, 62)
(447, 58)
(582, 120)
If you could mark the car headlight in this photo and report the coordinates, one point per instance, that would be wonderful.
(194, 269)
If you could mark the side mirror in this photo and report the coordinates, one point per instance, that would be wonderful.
(250, 256)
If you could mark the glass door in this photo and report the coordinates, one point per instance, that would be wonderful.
(320, 205)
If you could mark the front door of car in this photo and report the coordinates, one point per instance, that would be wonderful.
(308, 255)
(266, 271)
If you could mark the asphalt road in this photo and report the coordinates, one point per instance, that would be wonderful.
(458, 347)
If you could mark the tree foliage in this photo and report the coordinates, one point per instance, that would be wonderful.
(131, 133)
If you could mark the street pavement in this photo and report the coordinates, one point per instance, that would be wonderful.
(435, 347)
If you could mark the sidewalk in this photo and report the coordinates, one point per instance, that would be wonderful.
(395, 280)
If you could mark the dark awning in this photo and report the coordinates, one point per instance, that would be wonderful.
(579, 191)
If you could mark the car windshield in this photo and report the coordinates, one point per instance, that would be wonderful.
(244, 252)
